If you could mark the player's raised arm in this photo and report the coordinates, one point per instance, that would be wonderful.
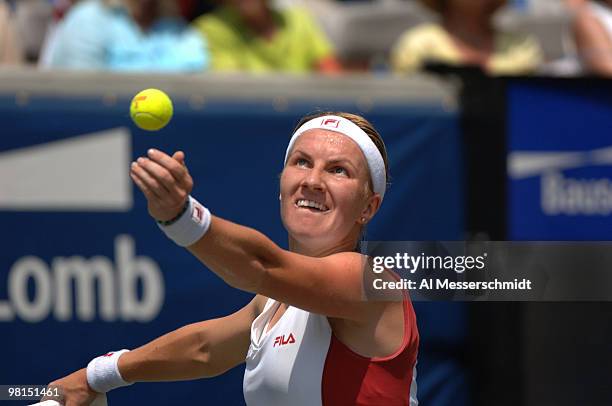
(331, 187)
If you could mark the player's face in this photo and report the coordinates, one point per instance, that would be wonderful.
(324, 190)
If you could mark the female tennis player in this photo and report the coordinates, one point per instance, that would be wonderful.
(309, 336)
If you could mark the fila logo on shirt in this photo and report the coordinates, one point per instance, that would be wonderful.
(282, 340)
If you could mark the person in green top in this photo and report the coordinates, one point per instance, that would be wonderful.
(252, 36)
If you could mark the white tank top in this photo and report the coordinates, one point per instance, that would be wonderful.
(298, 362)
(284, 364)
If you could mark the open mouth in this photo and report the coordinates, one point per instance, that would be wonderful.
(311, 205)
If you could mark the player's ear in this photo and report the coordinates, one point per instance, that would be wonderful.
(372, 206)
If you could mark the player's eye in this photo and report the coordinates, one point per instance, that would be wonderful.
(338, 170)
(301, 162)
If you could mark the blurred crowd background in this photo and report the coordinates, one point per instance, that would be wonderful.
(512, 37)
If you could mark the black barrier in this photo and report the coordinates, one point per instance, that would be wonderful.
(537, 169)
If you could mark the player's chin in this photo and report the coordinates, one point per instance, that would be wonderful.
(306, 228)
(310, 239)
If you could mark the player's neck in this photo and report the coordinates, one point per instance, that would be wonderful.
(319, 249)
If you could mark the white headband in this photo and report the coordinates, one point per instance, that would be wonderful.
(341, 125)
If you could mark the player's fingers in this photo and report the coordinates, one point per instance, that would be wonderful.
(158, 191)
(185, 178)
(180, 157)
(176, 168)
(176, 193)
(142, 186)
(186, 181)
(175, 164)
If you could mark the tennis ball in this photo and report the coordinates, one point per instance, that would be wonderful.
(151, 109)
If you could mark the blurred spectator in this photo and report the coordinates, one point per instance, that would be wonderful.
(191, 9)
(251, 35)
(32, 17)
(10, 48)
(126, 35)
(592, 31)
(61, 7)
(466, 36)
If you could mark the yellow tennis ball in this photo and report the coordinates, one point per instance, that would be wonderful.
(151, 109)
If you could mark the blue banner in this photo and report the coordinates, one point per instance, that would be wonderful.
(560, 160)
(85, 270)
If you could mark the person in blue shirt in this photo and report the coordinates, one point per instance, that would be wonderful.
(126, 35)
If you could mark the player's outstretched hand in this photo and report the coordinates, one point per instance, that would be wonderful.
(74, 390)
(165, 182)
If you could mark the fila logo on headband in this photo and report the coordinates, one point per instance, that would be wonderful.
(330, 122)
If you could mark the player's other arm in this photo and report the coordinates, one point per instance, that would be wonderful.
(198, 350)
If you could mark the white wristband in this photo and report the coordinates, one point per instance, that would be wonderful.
(191, 226)
(103, 372)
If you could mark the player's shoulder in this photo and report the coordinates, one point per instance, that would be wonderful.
(348, 258)
(347, 263)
